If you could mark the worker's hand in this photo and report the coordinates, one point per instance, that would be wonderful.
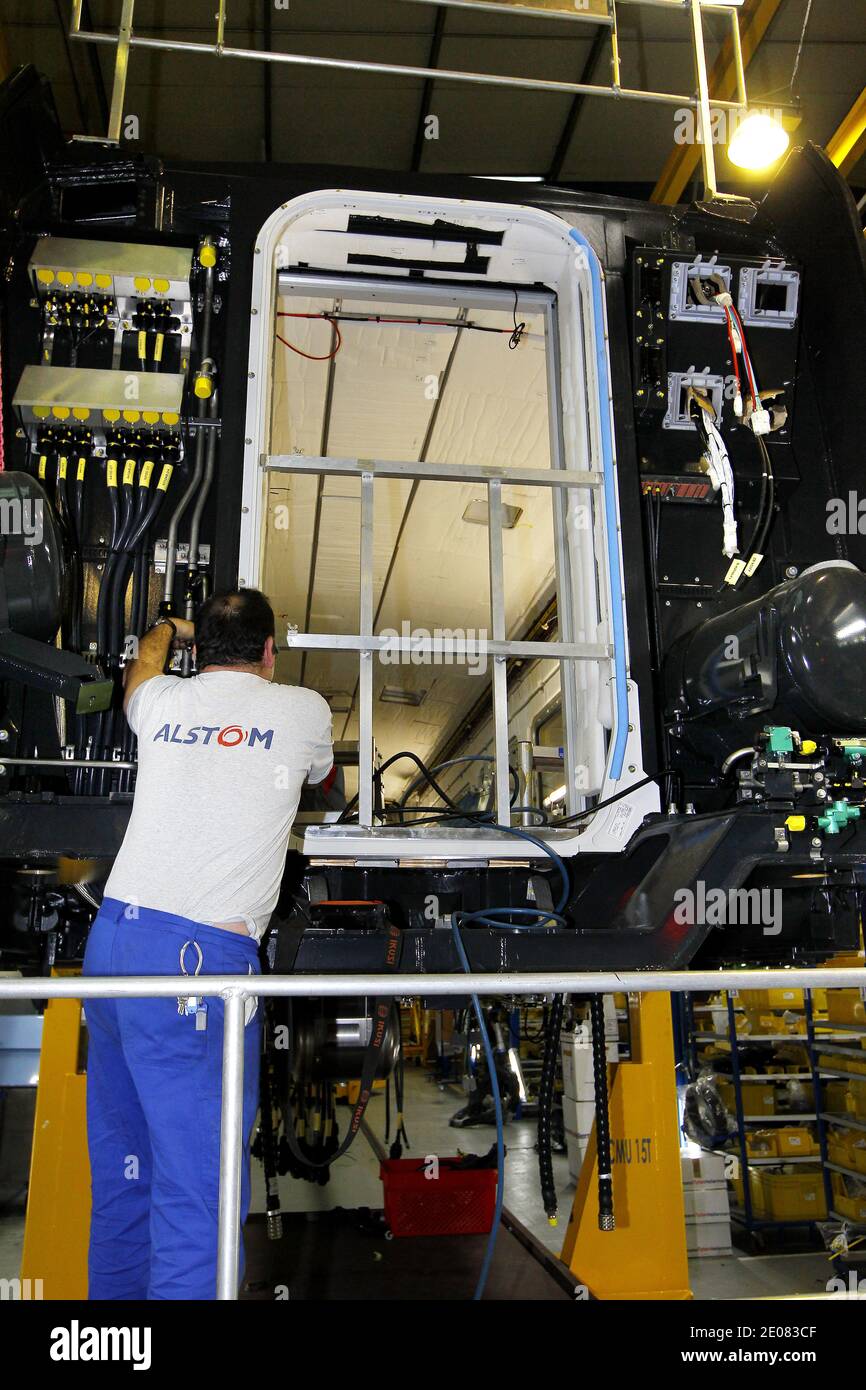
(185, 630)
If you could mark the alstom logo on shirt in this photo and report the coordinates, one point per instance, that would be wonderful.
(232, 736)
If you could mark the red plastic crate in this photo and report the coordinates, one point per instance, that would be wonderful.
(459, 1202)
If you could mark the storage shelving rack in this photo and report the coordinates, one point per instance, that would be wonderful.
(830, 1117)
(812, 1041)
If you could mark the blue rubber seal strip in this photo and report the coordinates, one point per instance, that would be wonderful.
(610, 511)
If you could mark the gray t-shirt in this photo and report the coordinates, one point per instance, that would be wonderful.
(222, 758)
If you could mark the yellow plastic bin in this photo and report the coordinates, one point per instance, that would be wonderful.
(772, 998)
(762, 1143)
(845, 1006)
(849, 1197)
(796, 1141)
(793, 1196)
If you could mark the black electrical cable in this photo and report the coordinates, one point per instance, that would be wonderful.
(761, 540)
(453, 762)
(139, 517)
(606, 1221)
(459, 814)
(763, 518)
(141, 571)
(427, 776)
(609, 800)
(103, 607)
(377, 777)
(76, 513)
(540, 1033)
(545, 1108)
(399, 1093)
(758, 528)
(120, 574)
(519, 328)
(148, 504)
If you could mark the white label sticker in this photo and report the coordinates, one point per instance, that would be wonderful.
(620, 821)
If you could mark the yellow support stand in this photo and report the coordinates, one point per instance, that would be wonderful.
(645, 1256)
(57, 1226)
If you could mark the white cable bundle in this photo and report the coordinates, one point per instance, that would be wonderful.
(722, 477)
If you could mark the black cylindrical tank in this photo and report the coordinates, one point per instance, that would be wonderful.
(31, 557)
(798, 651)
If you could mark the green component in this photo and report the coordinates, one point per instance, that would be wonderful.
(779, 738)
(837, 817)
(855, 750)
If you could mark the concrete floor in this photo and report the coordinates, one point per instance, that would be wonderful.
(355, 1182)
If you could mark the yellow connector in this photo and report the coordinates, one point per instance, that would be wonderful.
(796, 822)
(808, 746)
(203, 386)
(207, 254)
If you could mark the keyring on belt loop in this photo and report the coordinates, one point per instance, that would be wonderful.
(183, 969)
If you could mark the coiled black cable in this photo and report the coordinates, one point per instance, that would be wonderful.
(606, 1220)
(545, 1108)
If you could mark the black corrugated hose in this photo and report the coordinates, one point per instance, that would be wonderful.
(602, 1119)
(545, 1107)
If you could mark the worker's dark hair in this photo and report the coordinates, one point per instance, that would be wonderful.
(231, 629)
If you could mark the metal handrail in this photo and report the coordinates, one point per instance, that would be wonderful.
(125, 39)
(236, 989)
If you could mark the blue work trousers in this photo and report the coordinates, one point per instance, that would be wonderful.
(154, 1083)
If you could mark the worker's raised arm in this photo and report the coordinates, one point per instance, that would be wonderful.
(322, 759)
(153, 649)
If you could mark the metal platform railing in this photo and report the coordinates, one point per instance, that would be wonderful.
(235, 989)
(600, 13)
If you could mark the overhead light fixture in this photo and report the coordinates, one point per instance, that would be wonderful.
(758, 142)
(476, 514)
(511, 178)
(400, 695)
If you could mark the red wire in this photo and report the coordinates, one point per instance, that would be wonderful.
(429, 323)
(309, 356)
(734, 358)
(380, 318)
(746, 358)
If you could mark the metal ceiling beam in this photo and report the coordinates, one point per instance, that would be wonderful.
(5, 58)
(96, 68)
(599, 44)
(427, 94)
(755, 18)
(125, 40)
(526, 9)
(70, 63)
(847, 145)
(267, 93)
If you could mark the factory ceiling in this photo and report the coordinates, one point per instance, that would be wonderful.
(195, 105)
